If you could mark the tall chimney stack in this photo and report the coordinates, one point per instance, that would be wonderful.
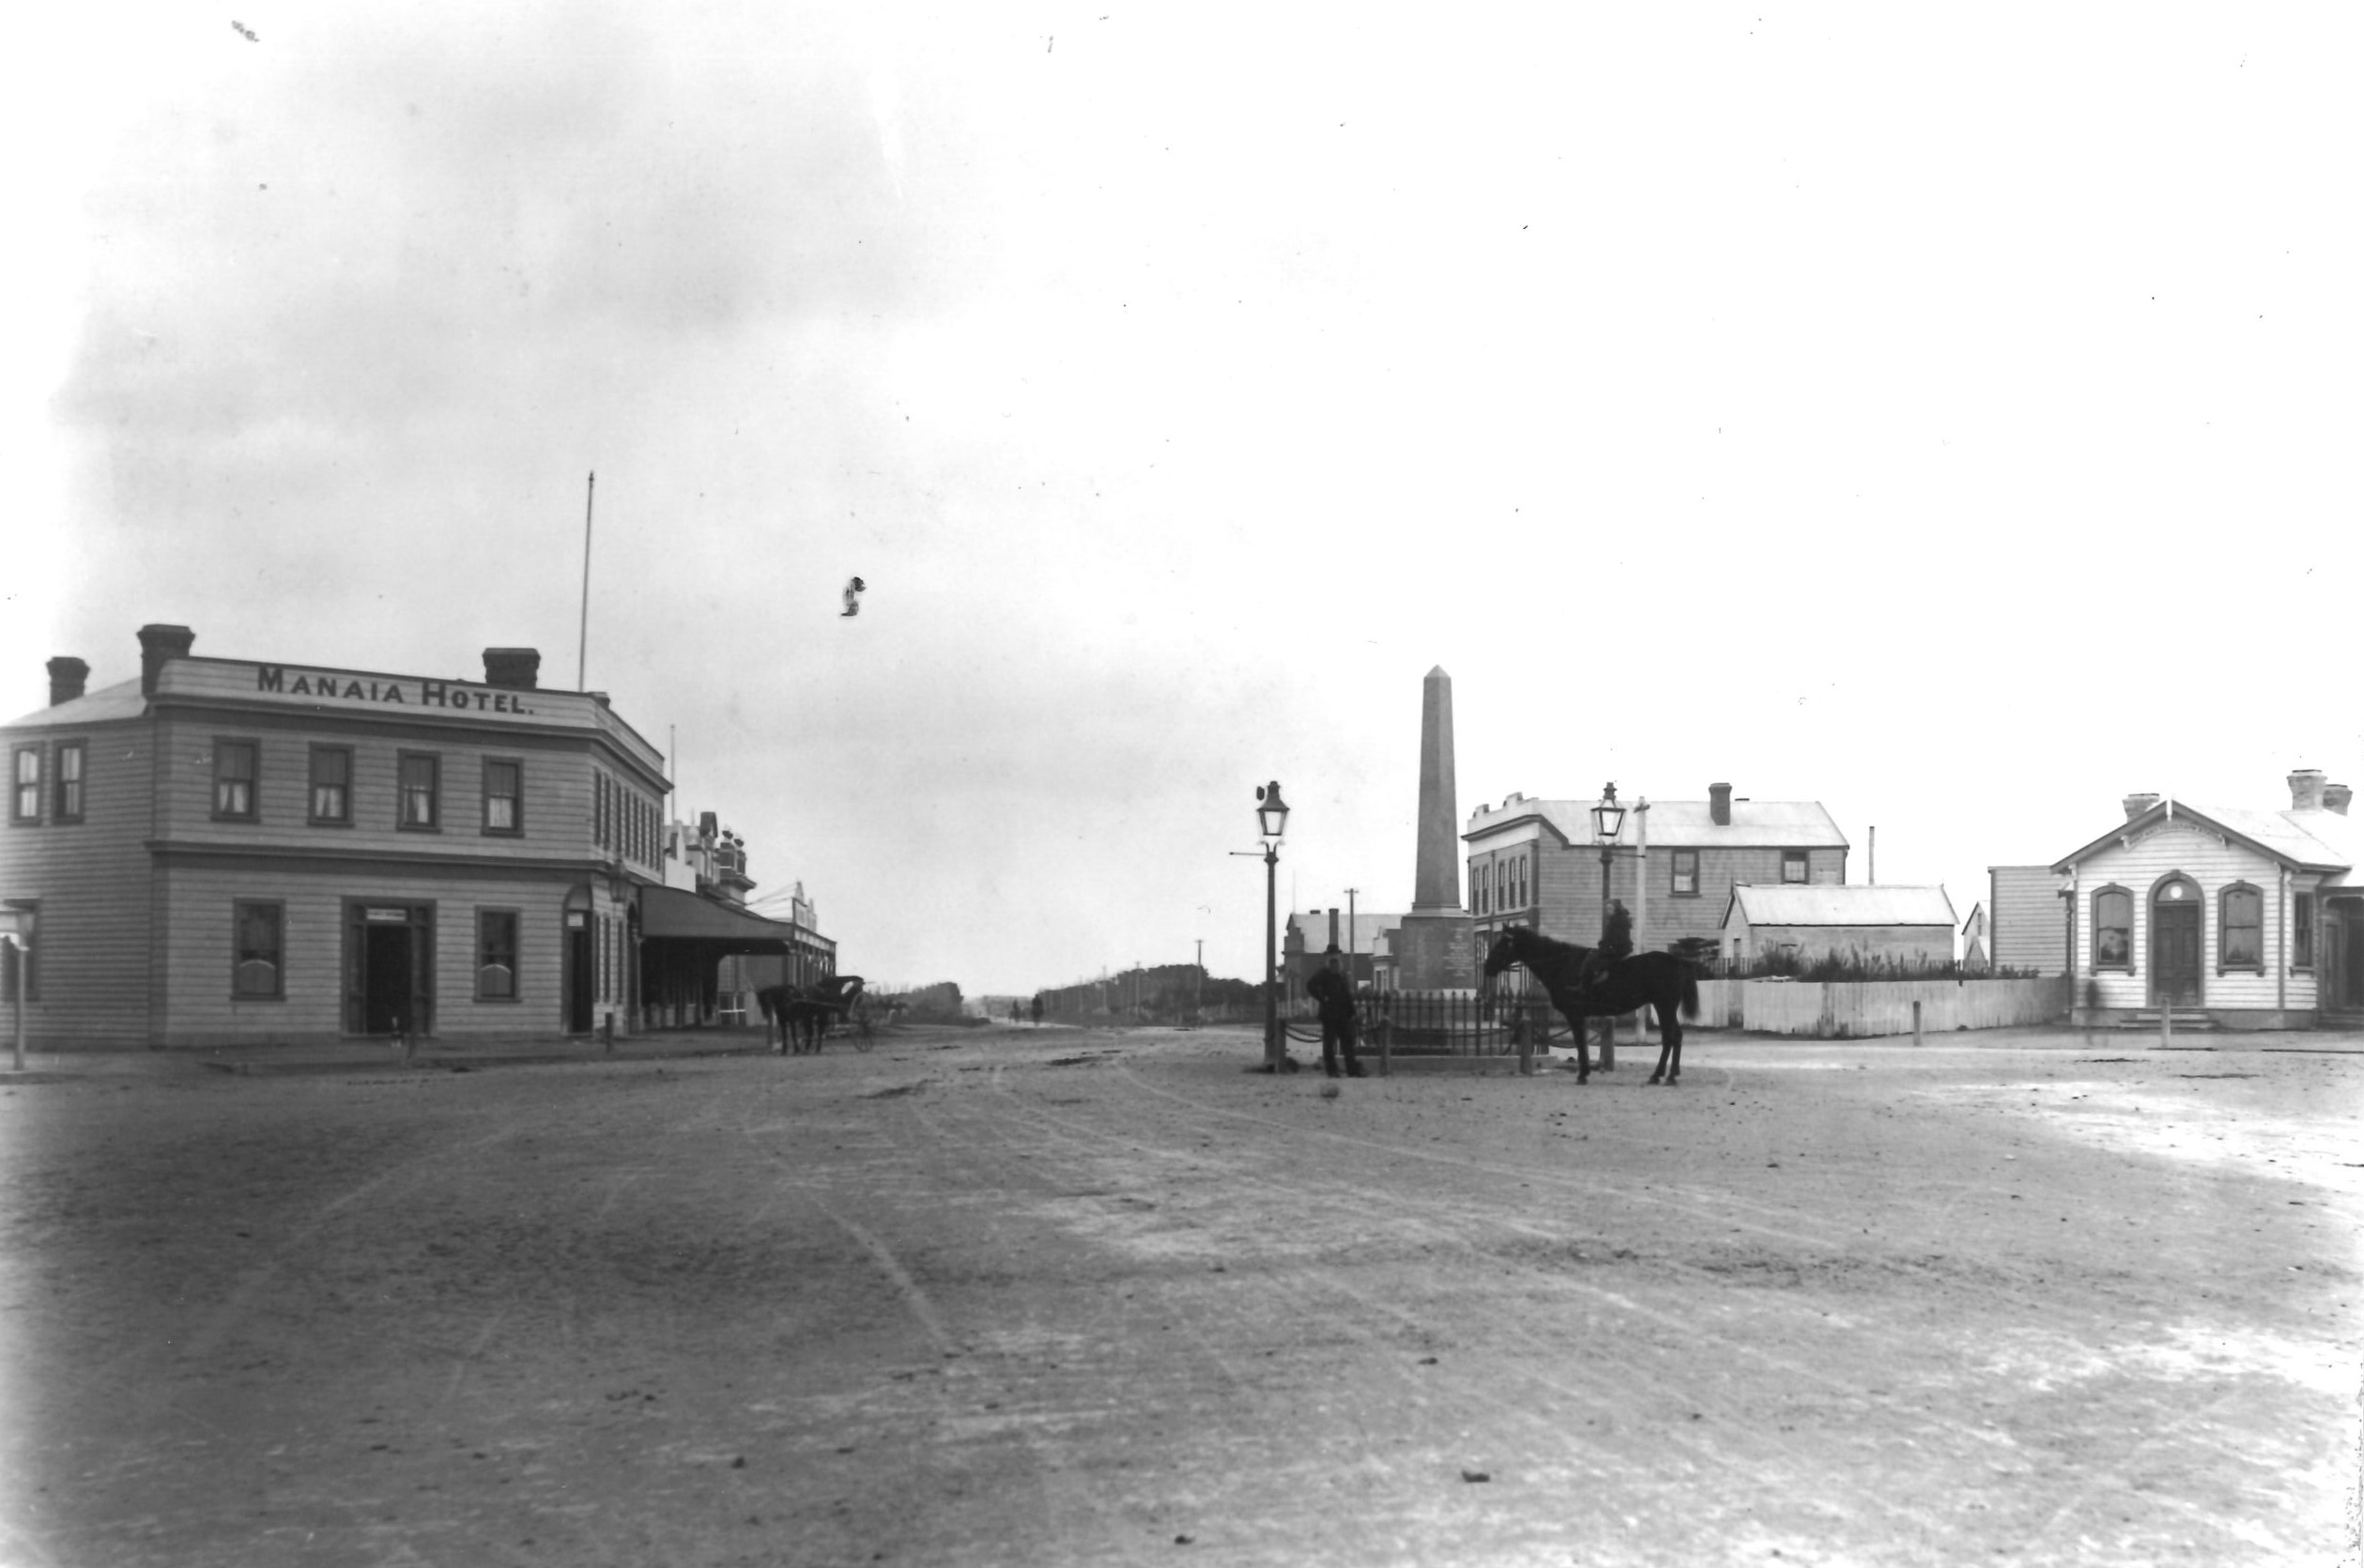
(1720, 804)
(2305, 790)
(2336, 798)
(158, 644)
(67, 676)
(512, 668)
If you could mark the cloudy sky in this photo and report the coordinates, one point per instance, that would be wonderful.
(1952, 419)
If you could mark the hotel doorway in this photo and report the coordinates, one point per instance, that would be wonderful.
(575, 964)
(389, 968)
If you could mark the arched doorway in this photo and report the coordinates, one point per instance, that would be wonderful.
(2176, 951)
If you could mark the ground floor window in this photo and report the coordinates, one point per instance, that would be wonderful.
(2240, 929)
(2113, 928)
(25, 959)
(258, 973)
(496, 955)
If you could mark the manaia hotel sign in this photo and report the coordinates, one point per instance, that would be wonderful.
(330, 686)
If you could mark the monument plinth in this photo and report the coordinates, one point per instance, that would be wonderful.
(1433, 948)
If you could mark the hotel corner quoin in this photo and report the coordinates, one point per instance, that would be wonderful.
(226, 852)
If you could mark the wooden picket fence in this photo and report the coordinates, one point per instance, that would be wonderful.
(1865, 1008)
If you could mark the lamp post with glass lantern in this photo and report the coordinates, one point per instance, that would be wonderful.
(1272, 817)
(1608, 820)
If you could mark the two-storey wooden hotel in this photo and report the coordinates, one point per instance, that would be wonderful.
(230, 851)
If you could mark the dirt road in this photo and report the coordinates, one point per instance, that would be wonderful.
(1010, 1297)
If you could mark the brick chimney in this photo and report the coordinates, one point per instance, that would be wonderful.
(2137, 803)
(2305, 790)
(1720, 804)
(159, 643)
(67, 676)
(513, 668)
(2336, 798)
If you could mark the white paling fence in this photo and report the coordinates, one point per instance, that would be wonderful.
(1859, 1010)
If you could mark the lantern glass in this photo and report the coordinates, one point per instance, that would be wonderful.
(1607, 822)
(1272, 814)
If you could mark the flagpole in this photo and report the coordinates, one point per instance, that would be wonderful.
(583, 642)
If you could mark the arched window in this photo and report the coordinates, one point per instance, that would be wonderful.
(2241, 928)
(2114, 930)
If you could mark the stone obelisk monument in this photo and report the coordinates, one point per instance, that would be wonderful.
(1433, 946)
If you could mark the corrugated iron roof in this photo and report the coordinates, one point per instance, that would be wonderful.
(2318, 841)
(123, 700)
(1368, 929)
(669, 913)
(1832, 904)
(1788, 825)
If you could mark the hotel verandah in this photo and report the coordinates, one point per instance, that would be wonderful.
(227, 851)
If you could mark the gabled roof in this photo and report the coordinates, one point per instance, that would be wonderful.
(2317, 840)
(1830, 904)
(123, 700)
(1313, 926)
(1788, 825)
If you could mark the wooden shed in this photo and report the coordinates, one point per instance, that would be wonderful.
(1899, 924)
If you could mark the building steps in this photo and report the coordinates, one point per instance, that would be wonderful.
(2179, 1020)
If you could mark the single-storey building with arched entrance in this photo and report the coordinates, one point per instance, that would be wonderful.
(2253, 918)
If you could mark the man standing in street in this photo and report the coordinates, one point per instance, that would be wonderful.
(1335, 995)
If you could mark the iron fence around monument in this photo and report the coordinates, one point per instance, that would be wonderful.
(1443, 1023)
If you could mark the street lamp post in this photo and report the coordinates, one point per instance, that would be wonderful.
(1350, 935)
(1608, 819)
(1272, 817)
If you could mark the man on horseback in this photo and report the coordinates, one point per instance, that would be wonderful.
(1617, 945)
(1335, 995)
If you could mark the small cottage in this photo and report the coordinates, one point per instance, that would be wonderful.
(2253, 918)
(1899, 924)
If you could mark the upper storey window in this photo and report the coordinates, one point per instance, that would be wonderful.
(421, 788)
(25, 800)
(236, 764)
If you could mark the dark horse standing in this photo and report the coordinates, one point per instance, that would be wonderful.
(804, 1011)
(1660, 980)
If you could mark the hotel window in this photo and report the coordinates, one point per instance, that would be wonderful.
(2302, 931)
(2114, 930)
(422, 779)
(1793, 866)
(71, 755)
(1686, 873)
(2240, 929)
(504, 798)
(233, 770)
(24, 804)
(258, 971)
(496, 955)
(332, 784)
(1477, 890)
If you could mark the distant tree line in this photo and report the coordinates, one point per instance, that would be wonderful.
(935, 1004)
(1169, 994)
